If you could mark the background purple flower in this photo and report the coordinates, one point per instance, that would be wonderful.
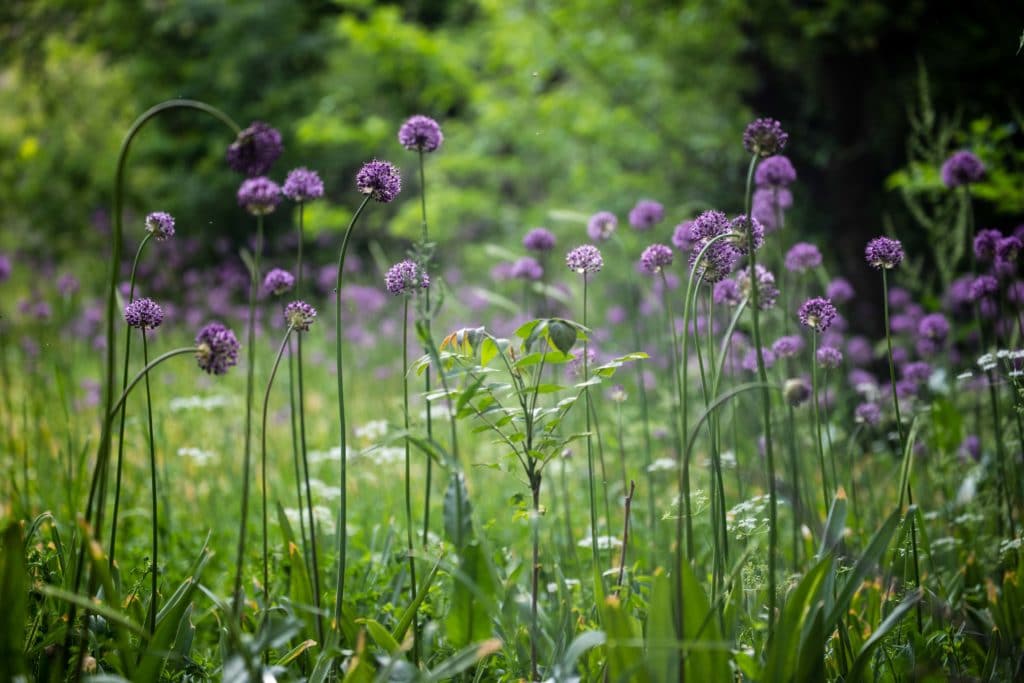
(420, 133)
(379, 179)
(788, 346)
(259, 196)
(539, 240)
(767, 292)
(682, 236)
(217, 349)
(840, 290)
(584, 259)
(303, 185)
(527, 268)
(868, 413)
(255, 149)
(817, 313)
(775, 171)
(299, 315)
(143, 314)
(829, 357)
(802, 257)
(764, 137)
(646, 214)
(405, 277)
(962, 168)
(656, 257)
(601, 226)
(278, 281)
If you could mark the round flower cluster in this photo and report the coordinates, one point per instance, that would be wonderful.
(303, 185)
(161, 224)
(646, 214)
(868, 414)
(584, 259)
(539, 240)
(802, 257)
(884, 253)
(764, 137)
(527, 268)
(745, 228)
(767, 292)
(775, 171)
(217, 349)
(721, 256)
(255, 149)
(405, 277)
(299, 315)
(420, 134)
(278, 281)
(656, 257)
(963, 168)
(259, 196)
(769, 205)
(682, 236)
(379, 179)
(143, 314)
(840, 290)
(601, 226)
(817, 313)
(727, 292)
(788, 346)
(830, 357)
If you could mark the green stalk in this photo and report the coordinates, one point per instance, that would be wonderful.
(141, 375)
(309, 491)
(408, 466)
(795, 474)
(590, 447)
(342, 536)
(154, 600)
(298, 448)
(817, 420)
(425, 240)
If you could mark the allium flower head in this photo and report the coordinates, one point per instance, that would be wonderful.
(278, 281)
(527, 268)
(963, 168)
(584, 259)
(656, 257)
(868, 414)
(1007, 249)
(143, 314)
(646, 214)
(405, 277)
(934, 327)
(917, 372)
(717, 262)
(768, 205)
(161, 224)
(303, 185)
(749, 362)
(767, 292)
(817, 314)
(217, 349)
(796, 391)
(985, 242)
(727, 292)
(420, 134)
(743, 227)
(380, 180)
(682, 236)
(764, 137)
(259, 196)
(255, 149)
(840, 290)
(709, 224)
(788, 346)
(884, 253)
(67, 284)
(601, 226)
(984, 286)
(802, 257)
(775, 171)
(299, 315)
(539, 240)
(829, 357)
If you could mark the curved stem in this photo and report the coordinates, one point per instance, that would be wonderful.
(342, 534)
(142, 374)
(154, 600)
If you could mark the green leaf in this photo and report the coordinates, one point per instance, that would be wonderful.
(410, 612)
(488, 351)
(381, 636)
(300, 586)
(868, 560)
(562, 335)
(469, 618)
(709, 660)
(463, 659)
(182, 643)
(661, 639)
(783, 649)
(294, 653)
(458, 523)
(834, 525)
(14, 587)
(624, 653)
(864, 656)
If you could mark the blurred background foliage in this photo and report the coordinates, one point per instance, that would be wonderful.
(551, 110)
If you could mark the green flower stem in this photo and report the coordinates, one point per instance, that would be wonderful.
(141, 375)
(590, 446)
(314, 555)
(828, 437)
(250, 383)
(596, 426)
(342, 534)
(263, 465)
(154, 600)
(817, 420)
(795, 475)
(298, 445)
(408, 465)
(120, 432)
(425, 239)
(766, 405)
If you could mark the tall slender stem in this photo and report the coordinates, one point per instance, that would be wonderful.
(314, 555)
(590, 446)
(425, 251)
(297, 447)
(154, 600)
(342, 535)
(817, 420)
(408, 462)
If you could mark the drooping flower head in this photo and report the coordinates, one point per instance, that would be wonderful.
(420, 134)
(278, 281)
(963, 168)
(299, 315)
(656, 257)
(161, 224)
(259, 196)
(539, 240)
(743, 227)
(829, 357)
(379, 179)
(303, 185)
(767, 292)
(527, 268)
(646, 214)
(255, 149)
(143, 314)
(817, 313)
(884, 253)
(775, 171)
(682, 236)
(802, 257)
(764, 137)
(217, 349)
(601, 226)
(584, 259)
(405, 277)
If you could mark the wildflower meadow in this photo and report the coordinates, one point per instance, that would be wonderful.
(649, 440)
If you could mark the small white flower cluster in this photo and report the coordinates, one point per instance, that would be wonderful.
(206, 403)
(603, 542)
(198, 455)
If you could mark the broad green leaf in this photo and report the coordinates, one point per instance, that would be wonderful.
(410, 612)
(662, 644)
(834, 525)
(488, 351)
(14, 598)
(625, 654)
(562, 335)
(381, 636)
(463, 659)
(869, 559)
(783, 649)
(469, 618)
(709, 660)
(458, 522)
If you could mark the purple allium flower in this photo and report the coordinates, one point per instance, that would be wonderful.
(601, 226)
(278, 281)
(767, 292)
(868, 414)
(299, 315)
(539, 240)
(744, 227)
(775, 171)
(970, 447)
(958, 297)
(884, 252)
(918, 371)
(709, 224)
(5, 268)
(899, 298)
(502, 271)
(616, 315)
(420, 134)
(749, 362)
(1008, 248)
(962, 168)
(718, 261)
(527, 268)
(985, 244)
(143, 314)
(259, 196)
(303, 185)
(906, 388)
(682, 236)
(862, 381)
(380, 180)
(584, 259)
(764, 137)
(830, 357)
(255, 149)
(817, 314)
(67, 284)
(802, 257)
(859, 350)
(646, 214)
(902, 323)
(934, 327)
(788, 346)
(984, 286)
(656, 257)
(405, 277)
(217, 349)
(769, 204)
(840, 290)
(727, 292)
(161, 224)
(796, 391)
